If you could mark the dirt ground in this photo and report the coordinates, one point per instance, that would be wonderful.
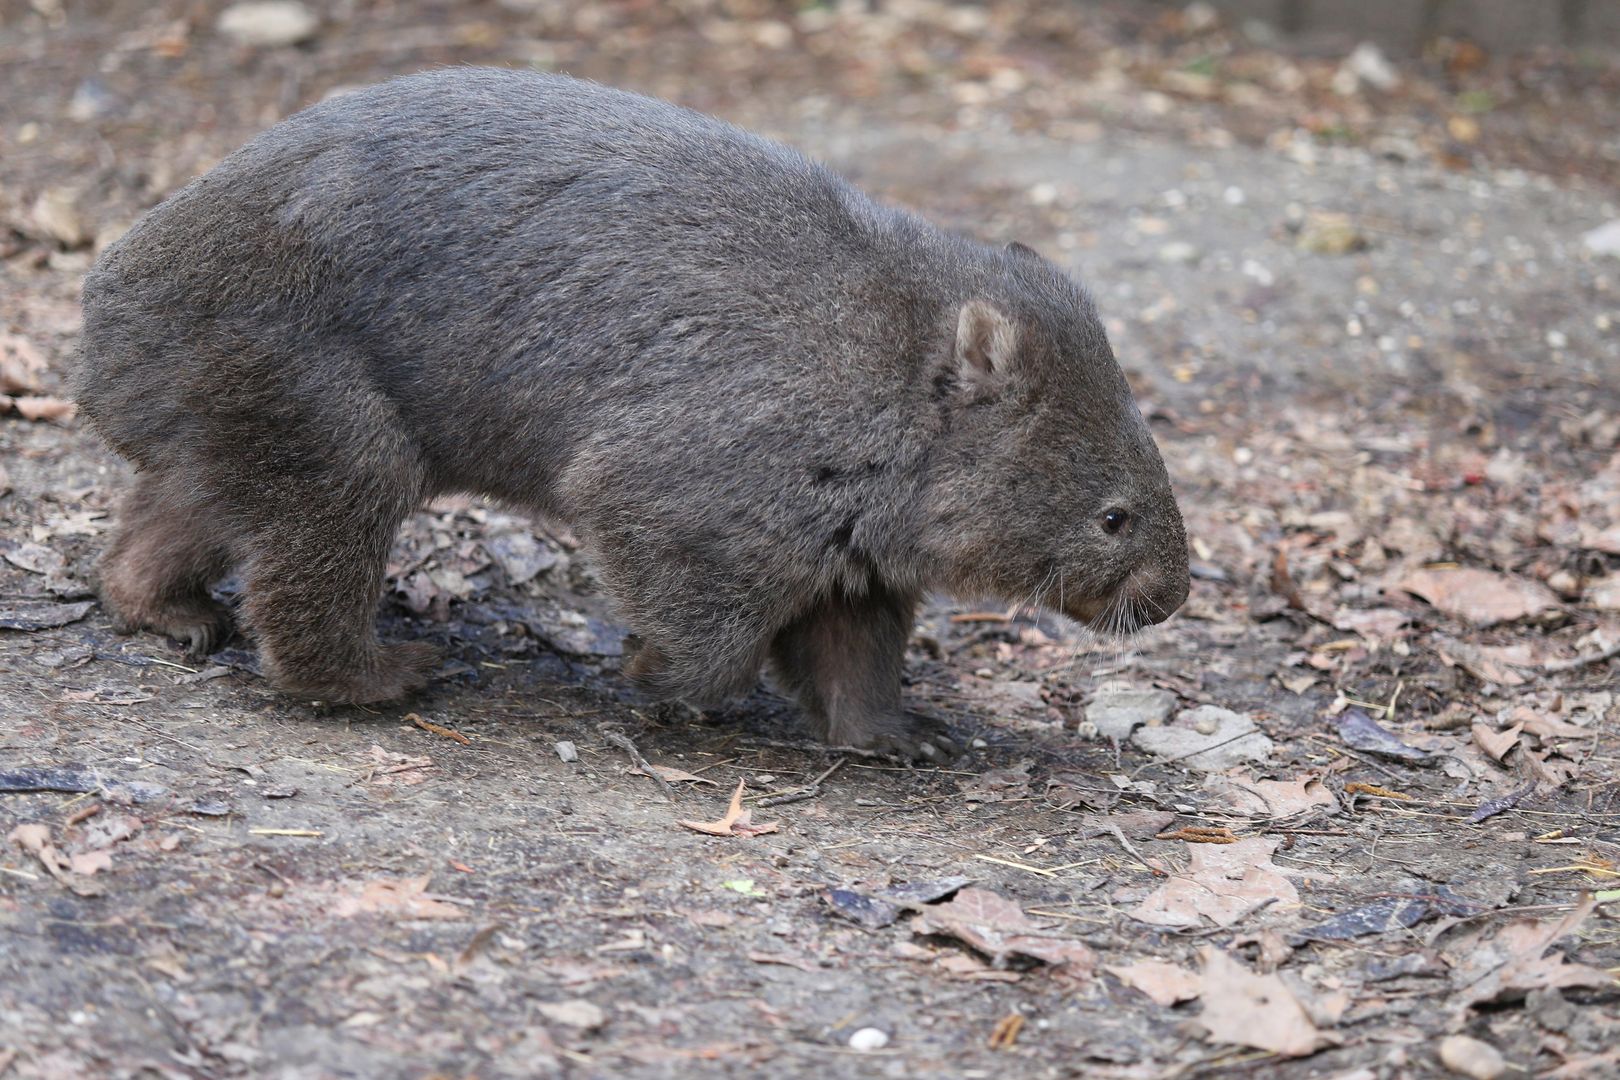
(1352, 813)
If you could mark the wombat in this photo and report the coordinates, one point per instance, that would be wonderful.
(777, 412)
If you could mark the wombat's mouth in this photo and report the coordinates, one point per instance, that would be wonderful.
(1117, 614)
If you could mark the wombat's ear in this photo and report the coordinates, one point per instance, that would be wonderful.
(986, 344)
(1023, 251)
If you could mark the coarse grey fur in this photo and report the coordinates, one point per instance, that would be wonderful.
(777, 412)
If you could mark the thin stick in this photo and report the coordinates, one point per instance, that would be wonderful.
(622, 741)
(809, 791)
(1555, 666)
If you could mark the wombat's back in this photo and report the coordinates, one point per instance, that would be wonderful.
(535, 256)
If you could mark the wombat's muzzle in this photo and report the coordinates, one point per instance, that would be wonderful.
(1142, 599)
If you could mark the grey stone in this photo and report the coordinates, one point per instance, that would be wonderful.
(1231, 739)
(1118, 711)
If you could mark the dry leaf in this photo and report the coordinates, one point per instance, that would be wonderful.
(1374, 624)
(1166, 984)
(39, 407)
(1478, 661)
(1223, 882)
(1496, 743)
(676, 776)
(390, 768)
(1246, 1009)
(1270, 798)
(88, 862)
(1514, 961)
(737, 821)
(36, 840)
(999, 928)
(20, 365)
(1480, 597)
(403, 898)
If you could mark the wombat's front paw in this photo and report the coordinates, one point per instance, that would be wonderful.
(393, 672)
(921, 744)
(906, 740)
(200, 625)
(400, 670)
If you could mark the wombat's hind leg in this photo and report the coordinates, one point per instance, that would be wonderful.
(167, 551)
(842, 660)
(314, 575)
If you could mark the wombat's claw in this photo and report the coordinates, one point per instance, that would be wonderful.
(204, 637)
(934, 748)
(199, 631)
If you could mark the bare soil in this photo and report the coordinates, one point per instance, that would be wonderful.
(1385, 372)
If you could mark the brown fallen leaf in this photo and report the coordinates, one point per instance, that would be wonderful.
(999, 928)
(386, 768)
(20, 365)
(967, 966)
(36, 840)
(1514, 961)
(402, 898)
(1165, 984)
(1271, 798)
(736, 822)
(1548, 728)
(1480, 597)
(39, 407)
(1223, 882)
(88, 862)
(1375, 624)
(1261, 1011)
(674, 775)
(1478, 662)
(1496, 743)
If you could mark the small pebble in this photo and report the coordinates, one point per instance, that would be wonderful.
(869, 1038)
(979, 744)
(567, 752)
(268, 23)
(1469, 1057)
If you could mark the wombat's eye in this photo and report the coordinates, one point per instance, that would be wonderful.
(1114, 520)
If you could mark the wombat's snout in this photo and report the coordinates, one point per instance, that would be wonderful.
(1156, 599)
(1152, 589)
(1144, 598)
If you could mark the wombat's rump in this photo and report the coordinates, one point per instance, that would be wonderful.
(777, 412)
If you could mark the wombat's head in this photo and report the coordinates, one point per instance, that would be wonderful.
(1048, 486)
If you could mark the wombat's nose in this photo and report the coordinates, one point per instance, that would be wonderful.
(1157, 600)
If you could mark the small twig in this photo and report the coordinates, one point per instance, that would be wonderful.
(622, 741)
(808, 791)
(1554, 666)
(1119, 835)
(1043, 871)
(815, 747)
